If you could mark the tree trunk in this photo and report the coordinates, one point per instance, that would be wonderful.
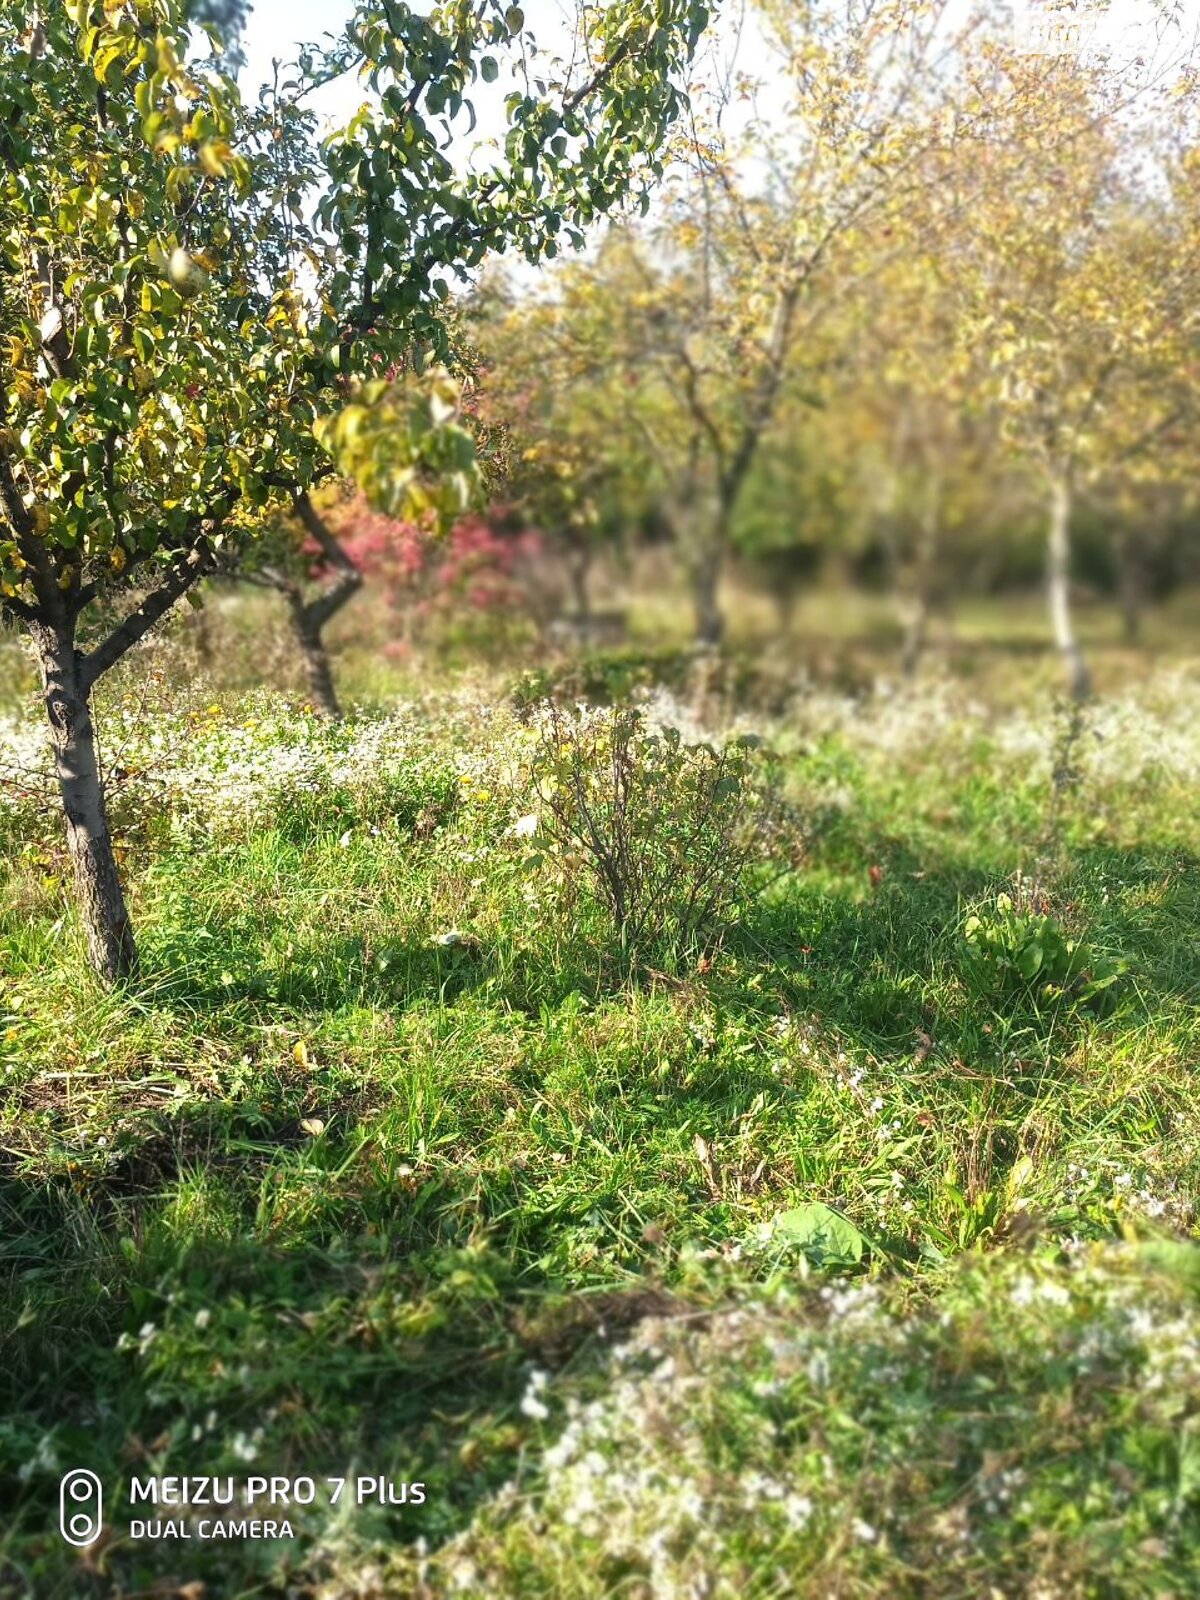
(707, 561)
(1132, 589)
(579, 566)
(317, 666)
(97, 881)
(1058, 589)
(916, 623)
(201, 631)
(310, 616)
(785, 599)
(916, 620)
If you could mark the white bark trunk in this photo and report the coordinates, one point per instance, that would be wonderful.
(1058, 589)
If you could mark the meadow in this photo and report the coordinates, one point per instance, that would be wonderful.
(845, 1252)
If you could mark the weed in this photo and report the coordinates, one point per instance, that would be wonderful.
(1020, 950)
(670, 831)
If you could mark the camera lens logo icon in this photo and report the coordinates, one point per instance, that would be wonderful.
(80, 1507)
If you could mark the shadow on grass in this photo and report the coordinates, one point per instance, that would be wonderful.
(891, 978)
(242, 972)
(316, 978)
(169, 1333)
(264, 1278)
(881, 967)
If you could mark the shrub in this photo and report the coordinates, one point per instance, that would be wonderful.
(1021, 950)
(473, 580)
(670, 832)
(604, 677)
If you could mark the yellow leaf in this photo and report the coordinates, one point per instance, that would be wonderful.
(215, 156)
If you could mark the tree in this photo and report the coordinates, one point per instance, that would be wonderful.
(201, 304)
(414, 431)
(912, 414)
(475, 569)
(283, 561)
(1079, 271)
(225, 20)
(550, 461)
(685, 339)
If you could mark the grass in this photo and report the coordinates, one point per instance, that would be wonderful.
(386, 1168)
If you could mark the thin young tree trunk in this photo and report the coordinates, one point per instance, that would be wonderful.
(309, 617)
(97, 880)
(917, 610)
(1058, 588)
(201, 630)
(699, 521)
(706, 578)
(915, 627)
(703, 544)
(711, 546)
(579, 565)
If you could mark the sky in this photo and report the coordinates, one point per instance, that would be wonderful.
(1121, 27)
(276, 27)
(1124, 30)
(275, 24)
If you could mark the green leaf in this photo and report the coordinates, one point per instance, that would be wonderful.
(1029, 960)
(827, 1238)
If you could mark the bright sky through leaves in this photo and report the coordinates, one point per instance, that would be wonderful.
(276, 27)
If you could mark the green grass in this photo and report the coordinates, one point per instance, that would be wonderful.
(385, 1153)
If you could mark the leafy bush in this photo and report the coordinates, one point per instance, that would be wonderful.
(606, 677)
(670, 832)
(1021, 949)
(469, 584)
(603, 677)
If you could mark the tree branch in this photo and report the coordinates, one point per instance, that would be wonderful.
(349, 579)
(188, 567)
(17, 610)
(51, 601)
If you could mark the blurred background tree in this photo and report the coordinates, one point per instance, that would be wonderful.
(1079, 281)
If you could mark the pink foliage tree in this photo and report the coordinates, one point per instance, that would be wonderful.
(479, 566)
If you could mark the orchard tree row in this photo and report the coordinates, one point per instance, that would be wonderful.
(928, 293)
(903, 284)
